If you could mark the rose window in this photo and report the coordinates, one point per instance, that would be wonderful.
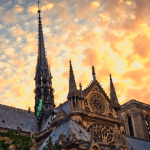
(97, 103)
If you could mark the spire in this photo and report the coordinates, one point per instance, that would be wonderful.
(42, 64)
(72, 83)
(43, 82)
(93, 73)
(113, 95)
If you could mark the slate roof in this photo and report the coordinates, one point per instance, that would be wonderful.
(12, 118)
(64, 107)
(67, 128)
(47, 123)
(137, 144)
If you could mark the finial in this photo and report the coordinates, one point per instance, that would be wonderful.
(93, 73)
(80, 87)
(29, 110)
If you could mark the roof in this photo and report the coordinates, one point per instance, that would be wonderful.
(65, 107)
(66, 128)
(47, 123)
(133, 101)
(11, 118)
(137, 144)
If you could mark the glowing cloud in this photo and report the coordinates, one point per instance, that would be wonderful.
(48, 6)
(96, 4)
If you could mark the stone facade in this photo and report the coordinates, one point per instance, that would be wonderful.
(139, 114)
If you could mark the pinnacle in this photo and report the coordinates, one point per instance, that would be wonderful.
(93, 73)
(113, 95)
(72, 83)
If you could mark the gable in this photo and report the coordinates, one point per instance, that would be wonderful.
(96, 100)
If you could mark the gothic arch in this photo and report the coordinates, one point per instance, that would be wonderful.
(128, 124)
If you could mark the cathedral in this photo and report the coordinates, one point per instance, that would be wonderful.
(88, 120)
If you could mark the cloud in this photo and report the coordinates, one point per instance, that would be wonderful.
(48, 6)
(141, 48)
(18, 8)
(111, 35)
(10, 51)
(16, 31)
(96, 4)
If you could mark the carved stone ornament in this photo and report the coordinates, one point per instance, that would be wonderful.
(97, 103)
(102, 133)
(95, 147)
(46, 107)
(85, 103)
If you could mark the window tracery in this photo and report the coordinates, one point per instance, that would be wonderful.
(102, 133)
(97, 103)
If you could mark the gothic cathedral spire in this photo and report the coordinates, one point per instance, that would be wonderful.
(44, 98)
(113, 95)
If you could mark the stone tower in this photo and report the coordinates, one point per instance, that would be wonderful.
(44, 98)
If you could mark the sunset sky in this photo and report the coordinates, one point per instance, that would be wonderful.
(112, 35)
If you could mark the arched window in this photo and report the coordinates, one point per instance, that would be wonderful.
(148, 127)
(130, 126)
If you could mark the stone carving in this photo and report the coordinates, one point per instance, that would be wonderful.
(85, 103)
(87, 109)
(96, 89)
(97, 103)
(110, 109)
(85, 123)
(95, 148)
(102, 133)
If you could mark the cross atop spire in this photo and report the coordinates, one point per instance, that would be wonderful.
(93, 73)
(113, 95)
(38, 4)
(72, 83)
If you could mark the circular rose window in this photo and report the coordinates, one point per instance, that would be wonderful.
(97, 103)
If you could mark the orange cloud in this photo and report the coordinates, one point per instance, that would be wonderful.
(115, 40)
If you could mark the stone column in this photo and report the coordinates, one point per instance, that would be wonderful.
(127, 127)
(71, 104)
(75, 104)
(69, 100)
